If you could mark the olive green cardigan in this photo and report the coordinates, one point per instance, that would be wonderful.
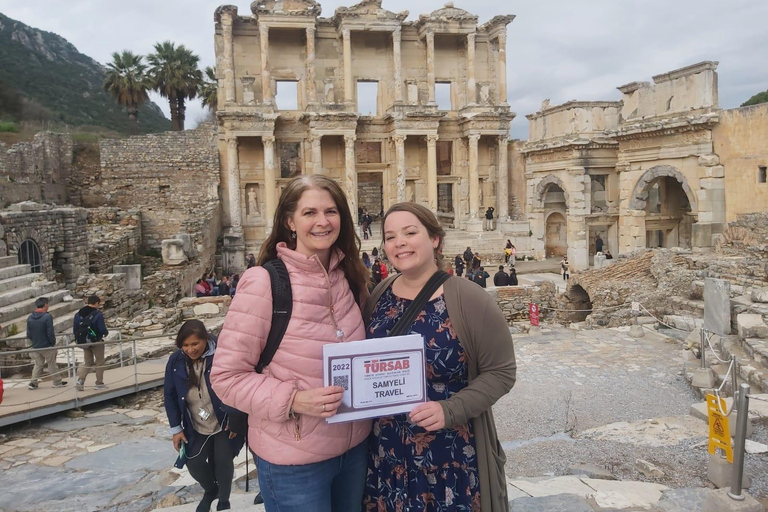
(490, 358)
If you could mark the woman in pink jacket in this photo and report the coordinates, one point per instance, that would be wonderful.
(304, 463)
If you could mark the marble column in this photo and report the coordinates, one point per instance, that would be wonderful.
(348, 82)
(400, 158)
(266, 81)
(474, 178)
(228, 60)
(502, 68)
(431, 66)
(350, 172)
(432, 172)
(270, 182)
(233, 183)
(502, 184)
(396, 36)
(317, 153)
(471, 84)
(310, 64)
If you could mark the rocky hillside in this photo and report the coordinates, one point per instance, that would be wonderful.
(57, 83)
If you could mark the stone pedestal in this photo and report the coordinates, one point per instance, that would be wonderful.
(719, 472)
(719, 501)
(189, 243)
(717, 306)
(132, 275)
(173, 252)
(636, 331)
(599, 261)
(703, 378)
(234, 250)
(474, 225)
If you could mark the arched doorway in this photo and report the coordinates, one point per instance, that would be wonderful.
(29, 254)
(667, 219)
(556, 243)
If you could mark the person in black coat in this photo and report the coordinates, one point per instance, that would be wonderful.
(501, 278)
(203, 428)
(513, 277)
(458, 262)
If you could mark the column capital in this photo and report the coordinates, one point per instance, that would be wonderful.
(268, 139)
(432, 139)
(397, 33)
(473, 137)
(311, 31)
(471, 38)
(399, 138)
(502, 37)
(430, 35)
(263, 28)
(231, 142)
(503, 139)
(345, 32)
(349, 138)
(315, 137)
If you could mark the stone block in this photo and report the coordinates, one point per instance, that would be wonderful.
(717, 171)
(719, 501)
(712, 183)
(751, 326)
(132, 275)
(717, 306)
(599, 260)
(206, 309)
(556, 503)
(701, 235)
(648, 469)
(760, 295)
(719, 472)
(636, 331)
(173, 252)
(703, 378)
(188, 243)
(709, 160)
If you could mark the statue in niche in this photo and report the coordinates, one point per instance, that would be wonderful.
(328, 91)
(485, 94)
(252, 203)
(410, 194)
(482, 186)
(413, 93)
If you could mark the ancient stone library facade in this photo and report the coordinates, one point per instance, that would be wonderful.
(393, 110)
(662, 167)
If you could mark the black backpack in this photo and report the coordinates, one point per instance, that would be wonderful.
(85, 331)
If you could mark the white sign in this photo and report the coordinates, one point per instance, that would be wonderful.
(635, 306)
(380, 376)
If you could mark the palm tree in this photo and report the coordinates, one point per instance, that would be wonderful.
(127, 81)
(175, 75)
(209, 92)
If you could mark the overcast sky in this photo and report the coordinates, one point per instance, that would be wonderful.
(556, 49)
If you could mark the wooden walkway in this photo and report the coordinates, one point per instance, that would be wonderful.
(22, 404)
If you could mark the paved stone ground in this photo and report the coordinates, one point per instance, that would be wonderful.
(599, 398)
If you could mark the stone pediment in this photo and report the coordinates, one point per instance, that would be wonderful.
(369, 10)
(286, 7)
(449, 13)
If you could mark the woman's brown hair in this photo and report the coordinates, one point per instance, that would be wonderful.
(427, 219)
(348, 242)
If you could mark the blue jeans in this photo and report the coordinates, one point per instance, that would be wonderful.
(333, 485)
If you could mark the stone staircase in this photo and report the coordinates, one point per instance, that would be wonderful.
(19, 288)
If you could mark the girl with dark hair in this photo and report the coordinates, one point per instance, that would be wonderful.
(305, 464)
(200, 422)
(445, 454)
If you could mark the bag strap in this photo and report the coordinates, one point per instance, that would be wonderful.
(375, 295)
(409, 315)
(282, 307)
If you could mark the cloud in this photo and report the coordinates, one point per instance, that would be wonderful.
(556, 49)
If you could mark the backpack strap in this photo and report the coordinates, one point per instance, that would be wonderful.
(282, 307)
(405, 321)
(375, 295)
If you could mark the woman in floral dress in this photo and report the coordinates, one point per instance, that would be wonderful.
(444, 456)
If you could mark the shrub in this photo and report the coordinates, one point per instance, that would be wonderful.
(8, 127)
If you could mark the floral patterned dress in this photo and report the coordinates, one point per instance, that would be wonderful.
(409, 468)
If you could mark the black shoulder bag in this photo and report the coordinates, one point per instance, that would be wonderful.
(409, 315)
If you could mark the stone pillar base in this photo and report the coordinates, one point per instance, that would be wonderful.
(474, 225)
(719, 472)
(703, 378)
(234, 250)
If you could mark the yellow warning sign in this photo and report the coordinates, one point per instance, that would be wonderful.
(719, 433)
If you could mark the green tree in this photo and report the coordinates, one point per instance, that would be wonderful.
(209, 91)
(174, 74)
(761, 97)
(127, 81)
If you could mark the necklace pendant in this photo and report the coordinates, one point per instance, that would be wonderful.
(340, 334)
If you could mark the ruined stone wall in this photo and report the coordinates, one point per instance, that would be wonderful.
(514, 300)
(168, 176)
(740, 142)
(114, 236)
(37, 170)
(60, 233)
(111, 289)
(576, 119)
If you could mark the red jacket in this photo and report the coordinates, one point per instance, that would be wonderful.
(384, 271)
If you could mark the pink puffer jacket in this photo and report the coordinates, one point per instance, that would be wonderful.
(297, 364)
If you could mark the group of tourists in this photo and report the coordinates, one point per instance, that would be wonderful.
(89, 329)
(208, 286)
(443, 455)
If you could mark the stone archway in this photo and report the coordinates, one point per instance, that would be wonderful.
(556, 235)
(642, 187)
(539, 198)
(29, 254)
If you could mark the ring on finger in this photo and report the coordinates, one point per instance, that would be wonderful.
(323, 407)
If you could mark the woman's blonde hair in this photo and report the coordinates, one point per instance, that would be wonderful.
(426, 218)
(348, 242)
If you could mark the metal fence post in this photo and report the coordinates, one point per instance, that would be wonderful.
(735, 378)
(703, 348)
(738, 447)
(135, 367)
(120, 346)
